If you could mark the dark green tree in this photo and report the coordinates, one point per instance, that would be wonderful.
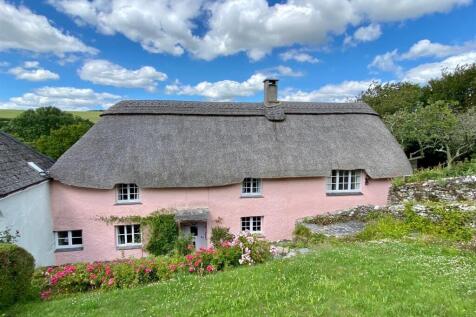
(32, 124)
(459, 86)
(61, 139)
(391, 97)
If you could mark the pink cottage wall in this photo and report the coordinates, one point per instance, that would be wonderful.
(283, 202)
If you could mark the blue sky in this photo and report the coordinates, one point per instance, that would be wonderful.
(89, 54)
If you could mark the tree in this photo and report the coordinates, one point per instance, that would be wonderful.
(460, 140)
(391, 97)
(459, 86)
(60, 140)
(435, 127)
(32, 124)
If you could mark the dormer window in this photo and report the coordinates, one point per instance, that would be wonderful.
(251, 187)
(127, 193)
(344, 181)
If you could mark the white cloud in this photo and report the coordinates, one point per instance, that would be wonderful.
(386, 62)
(367, 33)
(24, 30)
(103, 72)
(250, 26)
(425, 48)
(342, 92)
(223, 90)
(298, 56)
(32, 71)
(281, 70)
(424, 72)
(226, 90)
(67, 98)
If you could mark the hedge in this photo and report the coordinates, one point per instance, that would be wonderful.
(16, 269)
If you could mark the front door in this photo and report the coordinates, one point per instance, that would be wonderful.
(198, 231)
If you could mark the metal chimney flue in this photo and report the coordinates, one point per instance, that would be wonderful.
(270, 92)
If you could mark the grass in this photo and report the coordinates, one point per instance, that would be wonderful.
(343, 279)
(91, 115)
(438, 173)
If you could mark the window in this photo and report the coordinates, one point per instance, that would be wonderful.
(252, 224)
(127, 193)
(69, 239)
(128, 235)
(251, 187)
(344, 181)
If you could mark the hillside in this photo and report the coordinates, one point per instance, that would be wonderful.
(90, 115)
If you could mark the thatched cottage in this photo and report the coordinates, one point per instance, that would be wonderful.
(256, 166)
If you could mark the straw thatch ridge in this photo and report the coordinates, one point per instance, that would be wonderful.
(160, 144)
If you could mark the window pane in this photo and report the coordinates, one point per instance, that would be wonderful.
(121, 239)
(77, 241)
(63, 241)
(121, 229)
(76, 233)
(62, 234)
(137, 238)
(129, 238)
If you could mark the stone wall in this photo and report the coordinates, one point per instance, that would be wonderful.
(448, 189)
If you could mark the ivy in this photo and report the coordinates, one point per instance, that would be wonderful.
(161, 228)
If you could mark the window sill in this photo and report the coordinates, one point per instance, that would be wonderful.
(252, 196)
(72, 249)
(344, 194)
(128, 203)
(129, 247)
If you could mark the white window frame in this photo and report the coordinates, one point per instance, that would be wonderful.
(129, 193)
(357, 174)
(255, 186)
(252, 221)
(128, 244)
(70, 244)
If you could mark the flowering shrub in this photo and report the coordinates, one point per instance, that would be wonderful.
(245, 249)
(253, 249)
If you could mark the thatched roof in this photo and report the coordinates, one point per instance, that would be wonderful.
(15, 173)
(194, 144)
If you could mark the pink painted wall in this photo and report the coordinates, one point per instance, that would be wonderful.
(283, 202)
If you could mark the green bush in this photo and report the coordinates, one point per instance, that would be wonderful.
(384, 227)
(445, 221)
(303, 235)
(442, 220)
(438, 172)
(184, 244)
(16, 269)
(163, 233)
(220, 234)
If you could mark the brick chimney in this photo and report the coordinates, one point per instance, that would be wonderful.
(273, 110)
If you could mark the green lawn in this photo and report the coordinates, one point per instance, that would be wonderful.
(91, 115)
(353, 279)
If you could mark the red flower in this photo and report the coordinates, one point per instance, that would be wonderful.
(197, 263)
(210, 268)
(190, 247)
(90, 267)
(108, 270)
(110, 282)
(191, 269)
(189, 257)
